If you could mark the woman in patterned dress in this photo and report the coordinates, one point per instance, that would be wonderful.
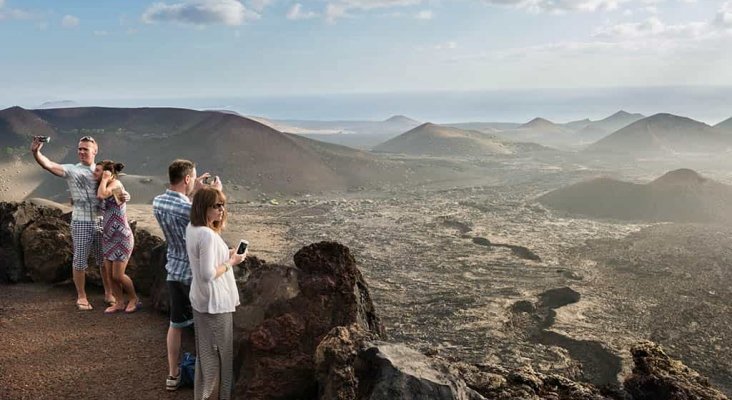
(117, 239)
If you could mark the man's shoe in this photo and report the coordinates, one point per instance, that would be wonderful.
(172, 382)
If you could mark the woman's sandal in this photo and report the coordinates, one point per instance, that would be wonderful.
(113, 310)
(84, 306)
(136, 306)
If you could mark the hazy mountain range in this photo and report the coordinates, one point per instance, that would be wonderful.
(240, 150)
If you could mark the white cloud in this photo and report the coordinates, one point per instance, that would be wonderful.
(13, 13)
(200, 13)
(446, 46)
(424, 14)
(724, 16)
(69, 21)
(560, 6)
(343, 8)
(296, 13)
(653, 27)
(335, 11)
(259, 5)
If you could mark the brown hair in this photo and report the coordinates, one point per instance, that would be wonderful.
(204, 199)
(179, 169)
(111, 166)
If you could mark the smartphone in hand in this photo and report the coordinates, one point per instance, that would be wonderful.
(243, 244)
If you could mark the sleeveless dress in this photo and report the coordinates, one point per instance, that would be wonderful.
(118, 242)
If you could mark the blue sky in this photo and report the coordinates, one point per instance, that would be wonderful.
(104, 49)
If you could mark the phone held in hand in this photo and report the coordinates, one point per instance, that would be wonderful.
(43, 139)
(118, 196)
(243, 244)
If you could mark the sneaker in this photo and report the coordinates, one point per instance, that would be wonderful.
(172, 382)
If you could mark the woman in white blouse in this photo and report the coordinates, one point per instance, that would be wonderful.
(213, 294)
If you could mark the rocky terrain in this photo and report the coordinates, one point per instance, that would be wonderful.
(310, 330)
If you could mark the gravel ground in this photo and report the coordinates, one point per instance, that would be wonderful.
(50, 350)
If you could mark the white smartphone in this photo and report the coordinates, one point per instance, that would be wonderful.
(243, 244)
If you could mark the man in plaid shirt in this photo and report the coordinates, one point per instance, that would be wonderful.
(86, 231)
(172, 210)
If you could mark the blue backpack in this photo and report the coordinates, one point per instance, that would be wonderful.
(187, 370)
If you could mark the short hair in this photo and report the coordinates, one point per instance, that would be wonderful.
(203, 199)
(91, 140)
(179, 169)
(111, 166)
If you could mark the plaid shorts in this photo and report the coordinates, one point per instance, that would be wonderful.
(87, 238)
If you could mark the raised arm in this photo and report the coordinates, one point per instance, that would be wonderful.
(43, 161)
(106, 187)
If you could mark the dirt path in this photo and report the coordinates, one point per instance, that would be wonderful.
(52, 351)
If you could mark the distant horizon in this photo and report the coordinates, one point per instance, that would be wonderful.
(153, 52)
(708, 104)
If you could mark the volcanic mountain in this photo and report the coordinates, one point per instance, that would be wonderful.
(435, 140)
(17, 125)
(664, 133)
(356, 134)
(596, 130)
(243, 152)
(679, 196)
(540, 130)
(725, 126)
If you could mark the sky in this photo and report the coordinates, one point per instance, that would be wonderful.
(134, 50)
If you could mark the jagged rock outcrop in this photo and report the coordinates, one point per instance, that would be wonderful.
(353, 365)
(285, 313)
(658, 377)
(14, 218)
(497, 383)
(335, 362)
(47, 250)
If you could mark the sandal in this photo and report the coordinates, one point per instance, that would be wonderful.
(113, 310)
(84, 306)
(111, 302)
(135, 307)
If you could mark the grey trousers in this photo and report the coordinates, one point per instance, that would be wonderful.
(214, 355)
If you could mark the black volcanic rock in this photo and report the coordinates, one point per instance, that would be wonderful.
(658, 377)
(14, 218)
(47, 249)
(286, 312)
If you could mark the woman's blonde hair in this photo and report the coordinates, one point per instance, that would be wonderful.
(204, 199)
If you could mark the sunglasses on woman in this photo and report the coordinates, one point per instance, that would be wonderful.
(219, 206)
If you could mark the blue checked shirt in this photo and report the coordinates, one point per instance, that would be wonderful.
(173, 212)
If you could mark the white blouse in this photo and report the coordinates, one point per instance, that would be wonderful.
(206, 252)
